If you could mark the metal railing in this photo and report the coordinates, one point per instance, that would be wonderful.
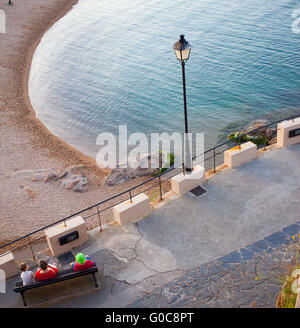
(96, 211)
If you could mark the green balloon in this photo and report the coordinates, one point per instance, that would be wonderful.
(80, 258)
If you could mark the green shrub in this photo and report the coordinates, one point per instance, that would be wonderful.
(169, 163)
(258, 140)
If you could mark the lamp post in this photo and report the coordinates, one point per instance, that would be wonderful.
(182, 50)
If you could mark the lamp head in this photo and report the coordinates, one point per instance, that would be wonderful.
(182, 49)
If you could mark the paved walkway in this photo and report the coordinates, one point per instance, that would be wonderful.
(205, 251)
(250, 277)
(242, 205)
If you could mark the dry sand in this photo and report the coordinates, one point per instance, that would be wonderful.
(25, 142)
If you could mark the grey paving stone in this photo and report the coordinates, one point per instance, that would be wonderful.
(246, 301)
(246, 285)
(182, 302)
(234, 257)
(258, 246)
(247, 254)
(190, 291)
(250, 268)
(269, 250)
(203, 293)
(230, 266)
(213, 289)
(203, 270)
(174, 299)
(172, 284)
(221, 303)
(214, 268)
(291, 229)
(276, 239)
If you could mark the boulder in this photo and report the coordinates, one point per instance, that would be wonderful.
(75, 182)
(137, 167)
(264, 135)
(118, 176)
(69, 180)
(147, 161)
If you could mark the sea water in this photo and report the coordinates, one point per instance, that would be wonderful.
(111, 62)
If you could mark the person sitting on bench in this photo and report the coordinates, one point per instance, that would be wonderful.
(82, 262)
(46, 271)
(26, 275)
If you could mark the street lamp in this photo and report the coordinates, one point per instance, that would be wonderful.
(182, 50)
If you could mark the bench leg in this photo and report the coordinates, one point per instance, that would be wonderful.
(95, 279)
(23, 298)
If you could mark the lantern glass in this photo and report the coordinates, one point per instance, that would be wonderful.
(182, 49)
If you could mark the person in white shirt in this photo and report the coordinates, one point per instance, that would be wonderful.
(26, 275)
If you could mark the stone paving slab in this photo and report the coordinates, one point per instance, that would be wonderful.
(249, 277)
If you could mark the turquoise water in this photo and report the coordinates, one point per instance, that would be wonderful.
(109, 63)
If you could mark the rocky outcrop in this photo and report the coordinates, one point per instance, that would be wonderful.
(67, 178)
(118, 176)
(269, 133)
(75, 182)
(144, 165)
(262, 136)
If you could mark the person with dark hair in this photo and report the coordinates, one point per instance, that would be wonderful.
(46, 271)
(10, 3)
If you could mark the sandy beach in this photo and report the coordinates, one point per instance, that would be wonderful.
(26, 144)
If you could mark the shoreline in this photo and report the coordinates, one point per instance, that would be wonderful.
(26, 143)
(43, 131)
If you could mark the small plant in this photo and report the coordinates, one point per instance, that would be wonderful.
(169, 163)
(288, 296)
(258, 140)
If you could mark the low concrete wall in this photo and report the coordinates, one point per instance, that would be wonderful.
(132, 211)
(183, 183)
(54, 233)
(236, 156)
(283, 130)
(9, 265)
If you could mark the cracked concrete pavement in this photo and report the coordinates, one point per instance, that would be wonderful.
(133, 258)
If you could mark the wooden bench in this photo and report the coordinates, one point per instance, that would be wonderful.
(62, 276)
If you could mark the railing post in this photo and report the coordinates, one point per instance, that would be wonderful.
(32, 252)
(99, 217)
(161, 198)
(214, 160)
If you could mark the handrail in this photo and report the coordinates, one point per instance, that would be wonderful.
(147, 181)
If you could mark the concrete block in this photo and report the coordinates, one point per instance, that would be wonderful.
(9, 265)
(236, 156)
(182, 183)
(132, 211)
(283, 130)
(54, 233)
